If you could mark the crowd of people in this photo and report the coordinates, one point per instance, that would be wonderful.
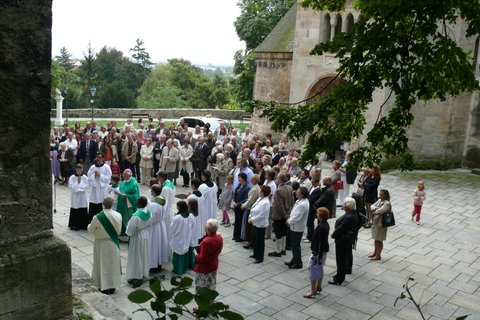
(245, 176)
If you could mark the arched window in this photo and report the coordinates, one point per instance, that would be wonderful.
(349, 22)
(325, 29)
(338, 26)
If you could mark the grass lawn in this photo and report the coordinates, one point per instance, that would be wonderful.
(71, 122)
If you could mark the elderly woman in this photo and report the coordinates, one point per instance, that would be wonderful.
(259, 219)
(206, 265)
(379, 232)
(320, 248)
(344, 235)
(146, 160)
(240, 196)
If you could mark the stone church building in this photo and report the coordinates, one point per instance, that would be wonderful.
(443, 134)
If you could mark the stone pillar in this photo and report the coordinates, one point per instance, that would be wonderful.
(35, 266)
(333, 24)
(59, 100)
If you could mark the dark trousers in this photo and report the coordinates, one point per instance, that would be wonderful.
(156, 166)
(258, 243)
(310, 224)
(342, 251)
(186, 177)
(136, 172)
(288, 240)
(348, 267)
(237, 228)
(295, 239)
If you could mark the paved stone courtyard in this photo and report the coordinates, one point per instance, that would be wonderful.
(442, 255)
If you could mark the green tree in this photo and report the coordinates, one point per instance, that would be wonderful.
(115, 95)
(140, 54)
(257, 18)
(109, 63)
(405, 46)
(65, 59)
(87, 75)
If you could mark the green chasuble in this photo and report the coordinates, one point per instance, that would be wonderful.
(124, 207)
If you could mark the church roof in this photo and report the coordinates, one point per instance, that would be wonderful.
(281, 38)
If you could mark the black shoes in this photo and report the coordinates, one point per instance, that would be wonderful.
(335, 283)
(294, 266)
(258, 261)
(275, 254)
(108, 291)
(284, 252)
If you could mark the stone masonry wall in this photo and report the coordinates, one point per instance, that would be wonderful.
(35, 276)
(118, 113)
(272, 83)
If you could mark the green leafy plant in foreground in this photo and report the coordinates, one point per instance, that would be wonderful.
(173, 302)
(407, 295)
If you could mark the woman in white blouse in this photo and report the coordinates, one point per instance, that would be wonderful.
(259, 219)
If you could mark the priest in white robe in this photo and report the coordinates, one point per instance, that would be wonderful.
(105, 227)
(138, 262)
(158, 230)
(99, 176)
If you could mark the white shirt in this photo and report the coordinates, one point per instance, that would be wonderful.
(99, 184)
(72, 145)
(298, 216)
(78, 192)
(259, 213)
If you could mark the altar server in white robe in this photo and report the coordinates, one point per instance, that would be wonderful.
(138, 262)
(182, 228)
(78, 185)
(168, 193)
(199, 228)
(158, 230)
(209, 191)
(106, 273)
(99, 176)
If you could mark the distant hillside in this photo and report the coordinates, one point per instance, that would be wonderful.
(212, 70)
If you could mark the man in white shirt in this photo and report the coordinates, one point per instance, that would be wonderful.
(247, 135)
(72, 143)
(297, 222)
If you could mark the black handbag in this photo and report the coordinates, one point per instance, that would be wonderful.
(388, 219)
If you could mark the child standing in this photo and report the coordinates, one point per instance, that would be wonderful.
(418, 197)
(114, 189)
(225, 200)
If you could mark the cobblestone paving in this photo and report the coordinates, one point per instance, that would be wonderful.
(442, 255)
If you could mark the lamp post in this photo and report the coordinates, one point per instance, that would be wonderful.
(65, 89)
(93, 91)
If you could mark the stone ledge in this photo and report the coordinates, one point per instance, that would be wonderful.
(98, 305)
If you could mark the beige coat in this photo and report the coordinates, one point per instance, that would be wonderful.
(169, 159)
(146, 156)
(379, 232)
(282, 202)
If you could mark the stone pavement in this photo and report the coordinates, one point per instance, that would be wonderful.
(442, 255)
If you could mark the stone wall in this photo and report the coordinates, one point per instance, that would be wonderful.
(118, 113)
(272, 83)
(35, 276)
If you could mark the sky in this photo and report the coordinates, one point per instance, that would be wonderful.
(200, 31)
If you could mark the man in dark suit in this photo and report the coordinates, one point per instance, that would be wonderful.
(327, 197)
(88, 152)
(313, 196)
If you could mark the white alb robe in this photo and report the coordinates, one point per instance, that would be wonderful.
(210, 201)
(78, 192)
(106, 273)
(182, 229)
(158, 235)
(99, 185)
(198, 228)
(169, 195)
(138, 262)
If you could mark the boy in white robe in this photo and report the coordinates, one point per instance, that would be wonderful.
(138, 262)
(106, 273)
(209, 191)
(158, 230)
(168, 193)
(199, 228)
